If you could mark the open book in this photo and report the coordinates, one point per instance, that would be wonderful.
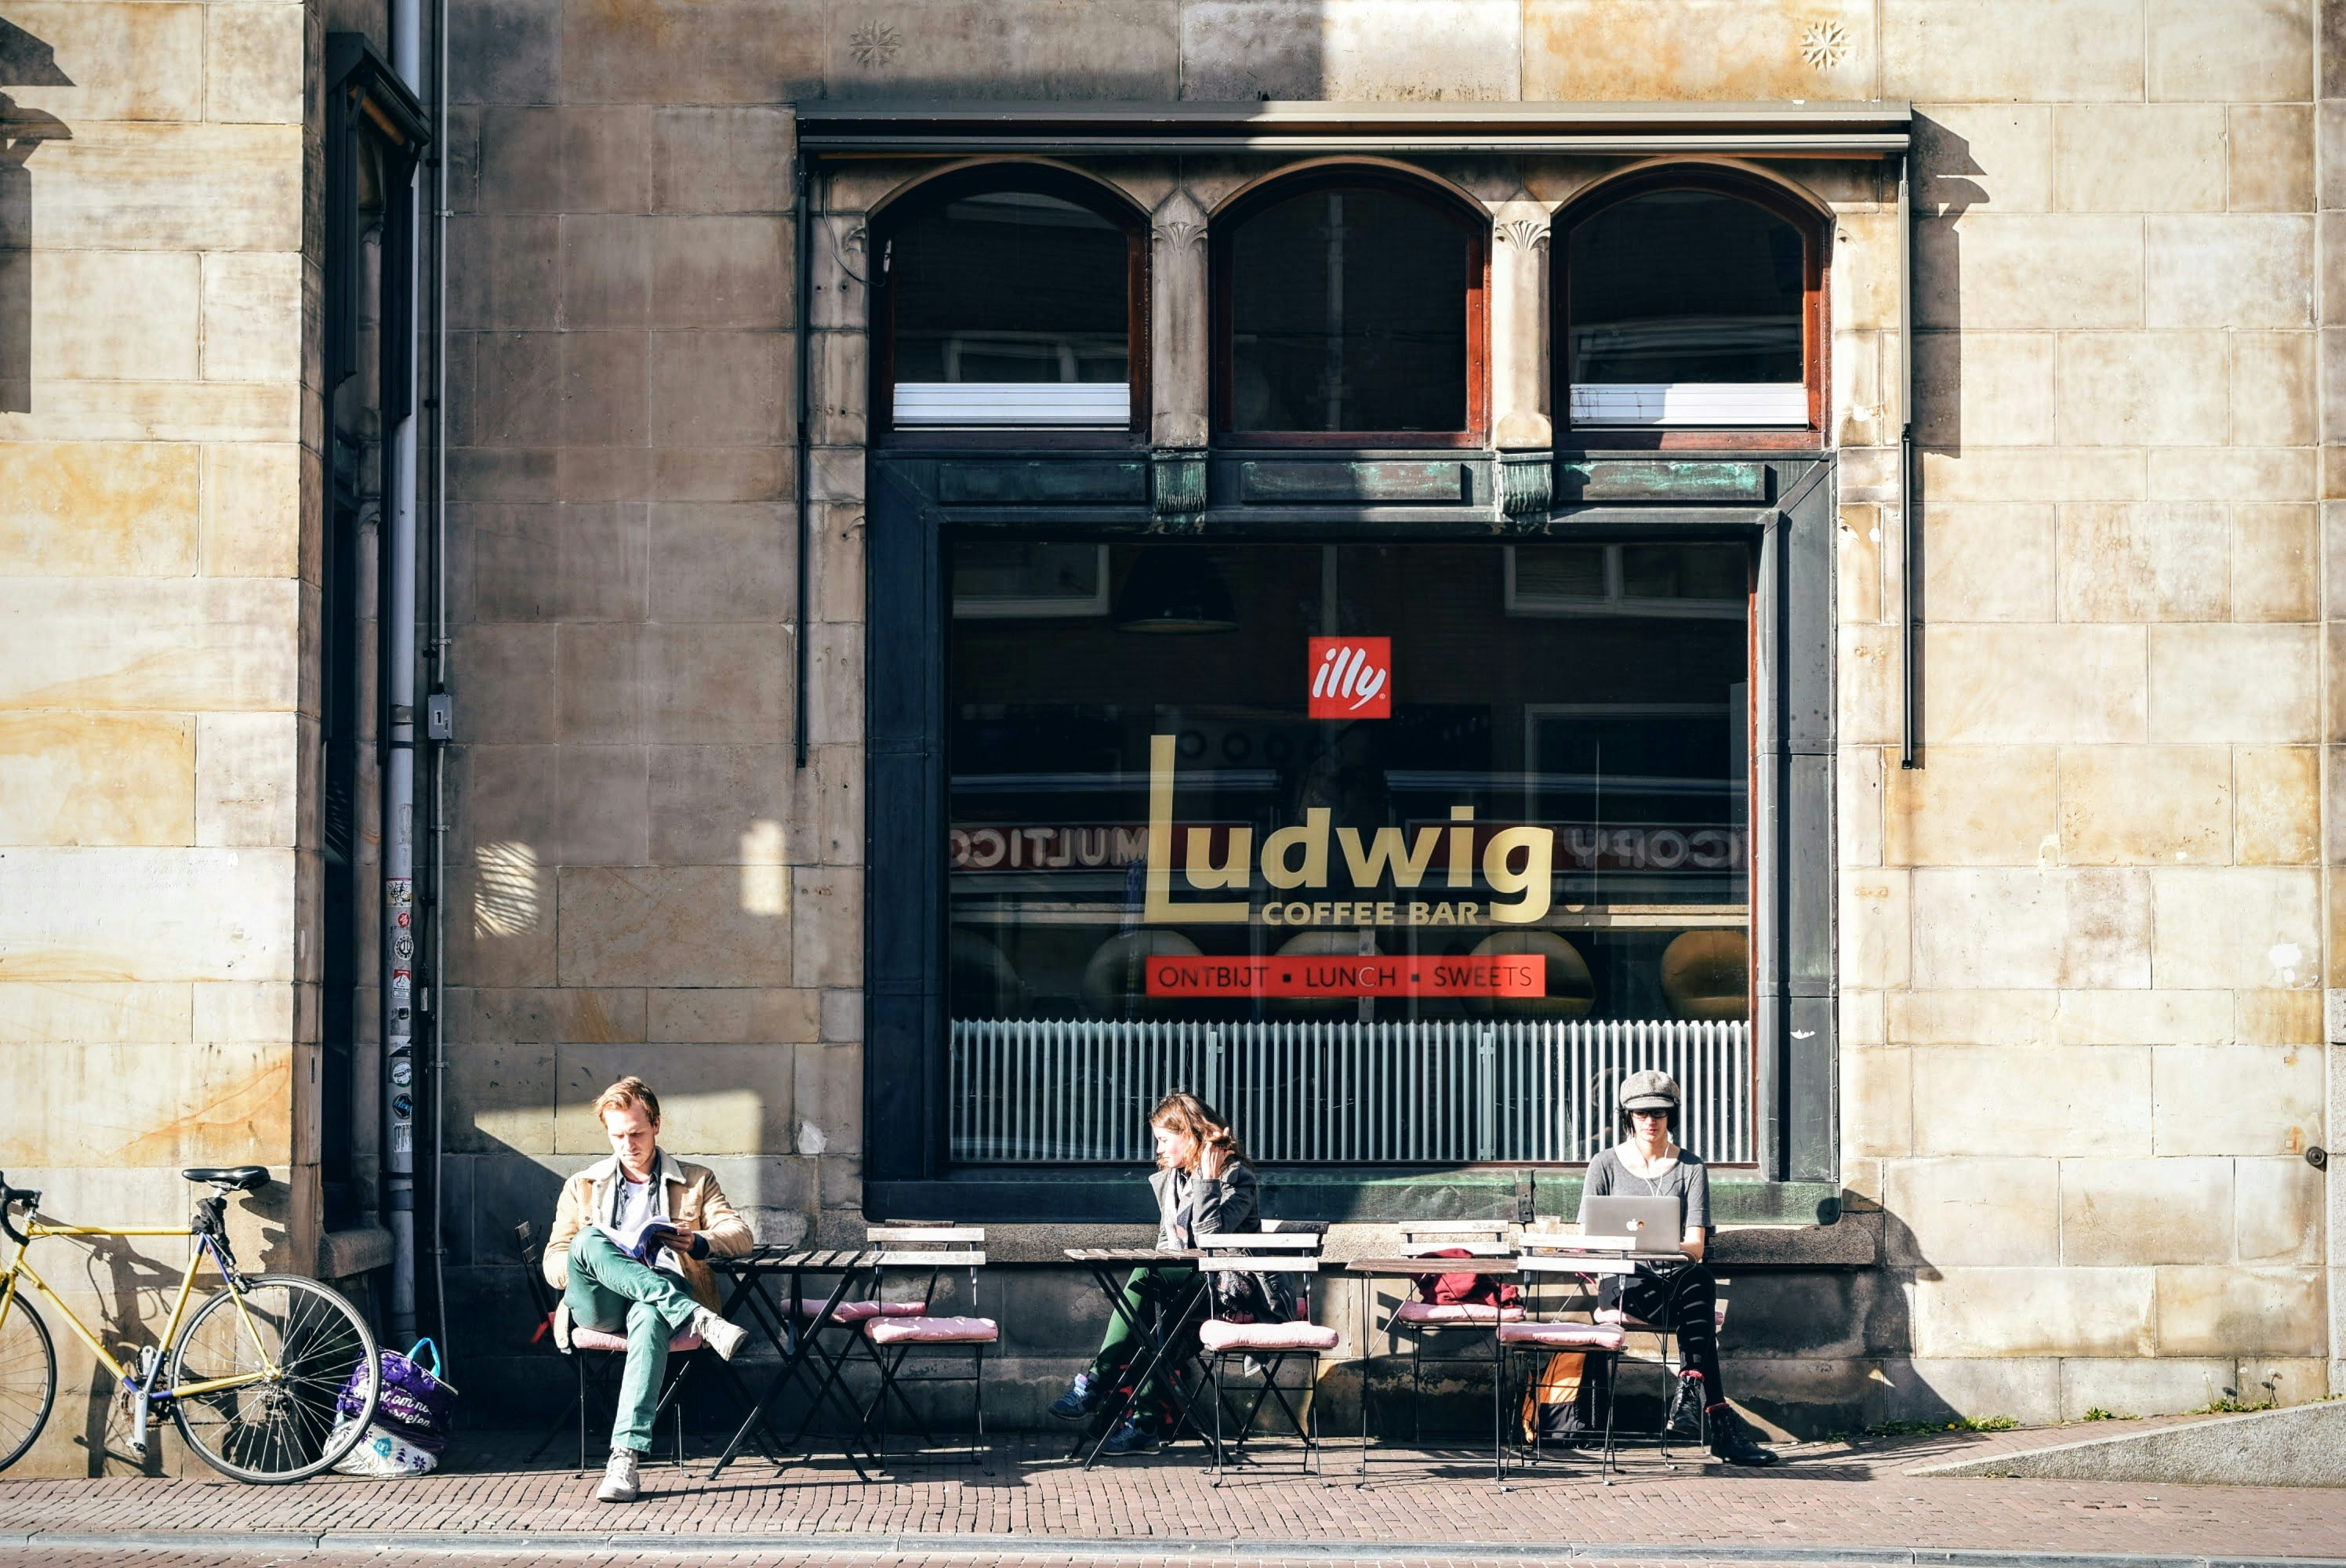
(641, 1241)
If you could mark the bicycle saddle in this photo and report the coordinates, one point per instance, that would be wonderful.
(230, 1178)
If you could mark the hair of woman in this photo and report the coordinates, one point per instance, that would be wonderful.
(1183, 1112)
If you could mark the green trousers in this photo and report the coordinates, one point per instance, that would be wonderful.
(611, 1291)
(1147, 1294)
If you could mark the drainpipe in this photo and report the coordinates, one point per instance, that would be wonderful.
(398, 677)
(1910, 505)
(442, 731)
(806, 462)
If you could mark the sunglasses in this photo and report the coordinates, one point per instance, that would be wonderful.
(1662, 1114)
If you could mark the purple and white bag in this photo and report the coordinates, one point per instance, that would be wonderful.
(411, 1424)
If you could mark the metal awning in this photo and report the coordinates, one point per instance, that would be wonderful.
(916, 128)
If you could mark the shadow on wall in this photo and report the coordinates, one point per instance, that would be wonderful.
(1942, 190)
(24, 62)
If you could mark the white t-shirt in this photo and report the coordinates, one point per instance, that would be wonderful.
(635, 1204)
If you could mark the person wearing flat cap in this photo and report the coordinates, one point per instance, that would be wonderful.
(1648, 1162)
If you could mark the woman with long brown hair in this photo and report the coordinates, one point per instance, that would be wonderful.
(1204, 1186)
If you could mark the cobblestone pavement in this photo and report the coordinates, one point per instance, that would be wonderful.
(1845, 1503)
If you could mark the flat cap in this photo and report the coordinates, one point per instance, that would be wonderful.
(1651, 1090)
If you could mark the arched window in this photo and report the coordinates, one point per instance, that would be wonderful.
(1349, 309)
(1010, 298)
(1692, 302)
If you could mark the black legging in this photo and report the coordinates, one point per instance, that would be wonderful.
(1686, 1298)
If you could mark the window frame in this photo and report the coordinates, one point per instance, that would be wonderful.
(983, 178)
(1469, 215)
(1815, 229)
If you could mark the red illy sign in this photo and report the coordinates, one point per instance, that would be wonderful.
(1351, 678)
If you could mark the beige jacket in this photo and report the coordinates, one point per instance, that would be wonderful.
(687, 1193)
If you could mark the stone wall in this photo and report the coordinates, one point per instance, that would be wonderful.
(2082, 949)
(159, 471)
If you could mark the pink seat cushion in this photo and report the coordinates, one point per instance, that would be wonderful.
(1217, 1335)
(585, 1338)
(1572, 1336)
(933, 1330)
(859, 1311)
(1434, 1314)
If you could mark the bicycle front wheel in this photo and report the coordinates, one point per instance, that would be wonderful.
(28, 1378)
(270, 1426)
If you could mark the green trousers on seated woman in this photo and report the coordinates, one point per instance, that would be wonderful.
(611, 1291)
(1148, 1295)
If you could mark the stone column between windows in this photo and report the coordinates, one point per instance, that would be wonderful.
(1520, 416)
(1179, 343)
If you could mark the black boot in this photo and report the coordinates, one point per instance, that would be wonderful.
(1686, 1408)
(1731, 1440)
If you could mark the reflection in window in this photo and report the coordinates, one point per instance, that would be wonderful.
(1710, 581)
(1010, 307)
(1409, 938)
(1348, 312)
(1686, 309)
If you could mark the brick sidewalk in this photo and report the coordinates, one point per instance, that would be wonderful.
(1855, 1502)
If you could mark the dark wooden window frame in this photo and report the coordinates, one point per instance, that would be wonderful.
(1816, 309)
(1044, 179)
(1468, 215)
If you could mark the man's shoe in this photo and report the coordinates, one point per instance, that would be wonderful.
(1732, 1441)
(1131, 1438)
(719, 1335)
(1082, 1397)
(619, 1478)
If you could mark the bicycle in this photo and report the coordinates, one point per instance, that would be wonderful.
(255, 1383)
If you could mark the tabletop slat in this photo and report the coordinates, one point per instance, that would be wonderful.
(1413, 1266)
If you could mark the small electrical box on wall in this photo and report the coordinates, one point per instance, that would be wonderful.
(439, 716)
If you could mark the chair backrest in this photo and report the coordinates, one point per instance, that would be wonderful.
(1478, 1237)
(1290, 1250)
(935, 1248)
(533, 1257)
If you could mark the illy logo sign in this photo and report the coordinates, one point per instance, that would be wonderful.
(1351, 678)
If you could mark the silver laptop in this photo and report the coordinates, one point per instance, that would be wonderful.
(1656, 1224)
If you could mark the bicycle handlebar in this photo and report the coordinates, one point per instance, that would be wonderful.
(10, 1197)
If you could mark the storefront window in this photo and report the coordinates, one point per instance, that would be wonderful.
(1009, 307)
(1351, 308)
(1687, 308)
(1400, 852)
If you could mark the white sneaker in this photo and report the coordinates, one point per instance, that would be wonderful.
(719, 1335)
(619, 1478)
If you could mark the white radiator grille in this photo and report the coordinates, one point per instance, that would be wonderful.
(1079, 1091)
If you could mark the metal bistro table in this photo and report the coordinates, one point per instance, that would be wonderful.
(753, 1273)
(1109, 1266)
(1369, 1270)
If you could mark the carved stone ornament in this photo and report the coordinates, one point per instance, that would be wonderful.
(1825, 44)
(1180, 233)
(874, 44)
(1178, 491)
(1527, 482)
(1525, 233)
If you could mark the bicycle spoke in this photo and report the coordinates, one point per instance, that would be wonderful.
(28, 1377)
(283, 1424)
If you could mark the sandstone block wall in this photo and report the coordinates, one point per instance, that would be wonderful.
(2082, 951)
(158, 478)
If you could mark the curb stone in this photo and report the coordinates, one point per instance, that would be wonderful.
(454, 1542)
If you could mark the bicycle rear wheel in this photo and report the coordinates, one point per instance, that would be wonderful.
(276, 1428)
(28, 1379)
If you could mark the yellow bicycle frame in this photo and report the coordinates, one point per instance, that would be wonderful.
(197, 1250)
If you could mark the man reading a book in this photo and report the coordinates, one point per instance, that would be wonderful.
(628, 1251)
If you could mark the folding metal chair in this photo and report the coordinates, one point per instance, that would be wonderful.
(1672, 1365)
(1541, 1262)
(605, 1353)
(1277, 1248)
(1425, 1320)
(893, 1337)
